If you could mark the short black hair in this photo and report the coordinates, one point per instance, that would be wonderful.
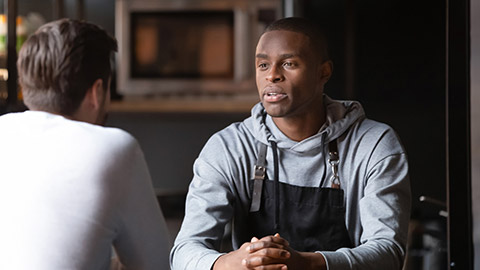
(61, 61)
(301, 25)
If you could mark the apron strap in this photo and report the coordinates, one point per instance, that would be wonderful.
(258, 177)
(333, 160)
(276, 189)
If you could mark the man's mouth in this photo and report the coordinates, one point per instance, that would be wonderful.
(274, 96)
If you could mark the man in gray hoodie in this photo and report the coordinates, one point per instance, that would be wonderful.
(306, 182)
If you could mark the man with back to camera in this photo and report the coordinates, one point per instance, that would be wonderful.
(70, 189)
(306, 182)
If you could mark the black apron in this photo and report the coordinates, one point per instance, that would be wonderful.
(309, 218)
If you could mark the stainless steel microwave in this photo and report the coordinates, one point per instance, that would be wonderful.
(189, 46)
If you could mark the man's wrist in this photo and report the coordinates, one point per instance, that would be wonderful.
(314, 260)
(217, 264)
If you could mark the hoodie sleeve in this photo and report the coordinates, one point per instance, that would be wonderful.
(384, 211)
(209, 207)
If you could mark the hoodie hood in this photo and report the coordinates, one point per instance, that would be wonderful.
(340, 115)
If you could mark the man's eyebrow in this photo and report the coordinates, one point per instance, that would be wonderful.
(283, 56)
(288, 55)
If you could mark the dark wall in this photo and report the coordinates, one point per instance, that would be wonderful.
(399, 76)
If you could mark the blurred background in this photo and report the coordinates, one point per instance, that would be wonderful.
(185, 70)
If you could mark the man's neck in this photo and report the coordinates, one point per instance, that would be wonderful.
(298, 128)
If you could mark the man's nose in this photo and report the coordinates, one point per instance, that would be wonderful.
(274, 75)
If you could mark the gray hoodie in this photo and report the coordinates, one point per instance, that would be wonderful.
(373, 173)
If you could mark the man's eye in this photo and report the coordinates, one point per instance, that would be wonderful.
(288, 64)
(262, 65)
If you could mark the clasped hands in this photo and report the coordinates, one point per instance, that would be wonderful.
(268, 253)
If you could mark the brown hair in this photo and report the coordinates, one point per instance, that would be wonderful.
(61, 61)
(306, 27)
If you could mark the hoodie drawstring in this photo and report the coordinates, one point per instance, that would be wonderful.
(275, 176)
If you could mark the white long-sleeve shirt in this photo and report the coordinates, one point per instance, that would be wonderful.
(70, 191)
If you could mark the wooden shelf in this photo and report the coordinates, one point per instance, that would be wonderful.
(187, 104)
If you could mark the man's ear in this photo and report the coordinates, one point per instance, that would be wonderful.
(91, 104)
(326, 69)
(96, 94)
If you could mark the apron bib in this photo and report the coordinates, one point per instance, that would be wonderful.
(309, 218)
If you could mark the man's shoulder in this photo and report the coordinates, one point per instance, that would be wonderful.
(10, 118)
(108, 137)
(372, 127)
(376, 135)
(90, 136)
(114, 148)
(59, 126)
(237, 128)
(112, 133)
(235, 133)
(232, 141)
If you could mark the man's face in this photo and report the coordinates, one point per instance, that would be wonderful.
(289, 75)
